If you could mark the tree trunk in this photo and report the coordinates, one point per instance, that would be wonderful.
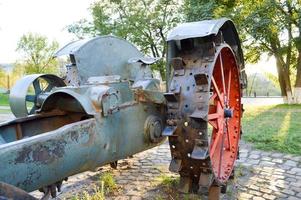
(281, 79)
(284, 82)
(297, 89)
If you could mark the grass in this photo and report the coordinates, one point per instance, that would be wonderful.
(4, 100)
(106, 185)
(5, 111)
(273, 127)
(168, 181)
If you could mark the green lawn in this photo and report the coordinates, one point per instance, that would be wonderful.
(273, 128)
(4, 100)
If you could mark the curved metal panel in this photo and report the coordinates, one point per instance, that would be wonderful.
(196, 29)
(52, 100)
(101, 56)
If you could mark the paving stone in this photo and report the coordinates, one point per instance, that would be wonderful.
(277, 160)
(136, 198)
(296, 170)
(253, 162)
(254, 187)
(288, 191)
(293, 198)
(253, 192)
(267, 196)
(265, 190)
(243, 196)
(258, 198)
(291, 163)
(254, 156)
(266, 158)
(277, 155)
(267, 163)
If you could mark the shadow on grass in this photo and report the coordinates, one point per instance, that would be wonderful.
(274, 128)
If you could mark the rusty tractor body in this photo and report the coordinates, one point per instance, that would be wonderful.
(109, 106)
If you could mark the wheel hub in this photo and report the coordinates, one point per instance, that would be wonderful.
(228, 113)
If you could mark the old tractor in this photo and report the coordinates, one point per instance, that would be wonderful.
(109, 106)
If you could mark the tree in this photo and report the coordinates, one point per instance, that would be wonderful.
(142, 22)
(38, 54)
(265, 26)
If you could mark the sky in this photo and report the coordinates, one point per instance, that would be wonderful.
(50, 18)
(46, 17)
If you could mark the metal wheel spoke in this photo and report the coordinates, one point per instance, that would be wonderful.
(228, 134)
(221, 154)
(32, 111)
(30, 98)
(48, 88)
(37, 87)
(218, 92)
(213, 116)
(222, 72)
(229, 87)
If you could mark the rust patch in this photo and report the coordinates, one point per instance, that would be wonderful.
(74, 135)
(42, 153)
(90, 131)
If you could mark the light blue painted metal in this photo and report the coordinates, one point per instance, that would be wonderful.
(196, 29)
(44, 159)
(102, 56)
(78, 128)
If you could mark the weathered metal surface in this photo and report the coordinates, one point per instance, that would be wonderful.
(196, 29)
(85, 124)
(220, 29)
(111, 98)
(204, 86)
(37, 161)
(102, 56)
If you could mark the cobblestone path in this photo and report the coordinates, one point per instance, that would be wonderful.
(259, 175)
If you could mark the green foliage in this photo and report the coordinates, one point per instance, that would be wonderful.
(4, 100)
(108, 182)
(106, 185)
(3, 79)
(168, 181)
(265, 26)
(273, 128)
(38, 54)
(98, 195)
(142, 22)
(196, 10)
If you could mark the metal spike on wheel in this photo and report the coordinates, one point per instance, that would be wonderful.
(204, 88)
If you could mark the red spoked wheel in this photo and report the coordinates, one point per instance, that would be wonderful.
(224, 114)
